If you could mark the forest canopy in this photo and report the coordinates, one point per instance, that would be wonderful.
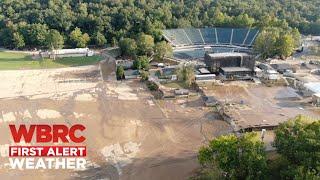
(78, 23)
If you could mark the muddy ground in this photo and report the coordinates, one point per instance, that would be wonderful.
(129, 134)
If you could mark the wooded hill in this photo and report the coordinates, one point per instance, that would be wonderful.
(77, 23)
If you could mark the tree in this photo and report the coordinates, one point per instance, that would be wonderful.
(144, 75)
(219, 17)
(120, 73)
(18, 40)
(99, 39)
(243, 20)
(128, 47)
(297, 37)
(78, 39)
(127, 19)
(152, 86)
(37, 35)
(183, 23)
(298, 173)
(142, 62)
(186, 74)
(298, 141)
(276, 41)
(6, 37)
(314, 28)
(85, 40)
(145, 44)
(238, 157)
(265, 43)
(55, 40)
(285, 45)
(154, 29)
(162, 49)
(114, 41)
(137, 64)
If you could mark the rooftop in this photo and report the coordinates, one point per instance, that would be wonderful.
(227, 54)
(235, 69)
(71, 51)
(281, 66)
(313, 86)
(271, 71)
(131, 72)
(204, 71)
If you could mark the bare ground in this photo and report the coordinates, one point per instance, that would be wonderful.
(129, 134)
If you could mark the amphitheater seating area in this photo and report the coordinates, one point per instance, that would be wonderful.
(194, 35)
(189, 54)
(198, 53)
(211, 36)
(239, 35)
(224, 35)
(177, 36)
(251, 37)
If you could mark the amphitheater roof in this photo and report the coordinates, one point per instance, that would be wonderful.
(227, 54)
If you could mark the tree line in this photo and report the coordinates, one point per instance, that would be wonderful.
(297, 145)
(74, 23)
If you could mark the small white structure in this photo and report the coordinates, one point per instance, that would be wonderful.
(258, 72)
(181, 92)
(316, 38)
(60, 53)
(160, 65)
(205, 77)
(271, 75)
(316, 99)
(311, 88)
(174, 77)
(204, 71)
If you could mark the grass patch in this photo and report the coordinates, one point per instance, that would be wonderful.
(14, 61)
(77, 61)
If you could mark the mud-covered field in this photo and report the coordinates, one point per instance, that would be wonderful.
(129, 134)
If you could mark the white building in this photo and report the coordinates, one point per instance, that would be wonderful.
(316, 99)
(60, 53)
(311, 88)
(271, 75)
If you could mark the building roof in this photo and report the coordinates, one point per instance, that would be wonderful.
(227, 54)
(204, 71)
(169, 70)
(313, 86)
(71, 51)
(181, 91)
(256, 69)
(281, 66)
(131, 72)
(235, 69)
(271, 71)
(264, 66)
